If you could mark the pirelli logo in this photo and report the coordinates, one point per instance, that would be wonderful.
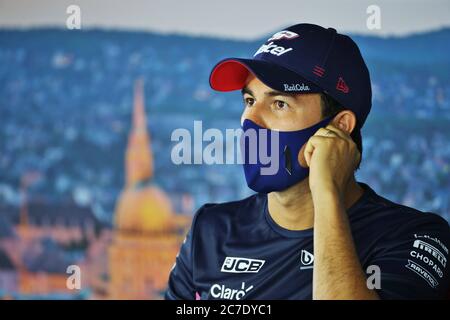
(422, 245)
(241, 265)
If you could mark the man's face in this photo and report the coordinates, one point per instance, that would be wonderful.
(279, 110)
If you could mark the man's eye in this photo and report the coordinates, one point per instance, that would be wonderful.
(248, 102)
(281, 104)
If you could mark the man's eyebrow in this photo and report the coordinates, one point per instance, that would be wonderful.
(246, 90)
(279, 93)
(272, 93)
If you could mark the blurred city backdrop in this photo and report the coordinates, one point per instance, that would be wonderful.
(85, 141)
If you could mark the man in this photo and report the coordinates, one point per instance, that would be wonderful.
(311, 231)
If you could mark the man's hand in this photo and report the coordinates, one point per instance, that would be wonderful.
(331, 156)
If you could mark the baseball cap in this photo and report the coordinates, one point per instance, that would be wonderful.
(304, 58)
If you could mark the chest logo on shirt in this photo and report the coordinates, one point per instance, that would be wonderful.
(306, 259)
(241, 265)
(218, 291)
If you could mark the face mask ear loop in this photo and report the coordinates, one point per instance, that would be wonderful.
(287, 154)
(287, 160)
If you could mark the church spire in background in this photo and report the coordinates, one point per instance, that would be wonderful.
(139, 158)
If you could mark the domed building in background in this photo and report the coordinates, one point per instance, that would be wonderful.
(148, 233)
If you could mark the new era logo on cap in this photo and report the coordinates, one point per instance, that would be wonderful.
(342, 86)
(304, 58)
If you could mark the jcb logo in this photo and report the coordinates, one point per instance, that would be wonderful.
(241, 265)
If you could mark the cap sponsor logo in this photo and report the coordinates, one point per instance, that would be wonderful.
(319, 71)
(296, 87)
(272, 49)
(241, 265)
(285, 34)
(342, 86)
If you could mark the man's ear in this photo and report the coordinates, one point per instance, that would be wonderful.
(345, 120)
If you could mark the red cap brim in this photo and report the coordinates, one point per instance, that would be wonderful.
(228, 75)
(231, 74)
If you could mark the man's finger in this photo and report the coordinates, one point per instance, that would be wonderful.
(312, 144)
(324, 132)
(340, 133)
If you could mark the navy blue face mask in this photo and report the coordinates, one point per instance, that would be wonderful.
(271, 166)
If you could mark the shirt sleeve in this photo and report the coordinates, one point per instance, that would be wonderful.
(413, 261)
(180, 284)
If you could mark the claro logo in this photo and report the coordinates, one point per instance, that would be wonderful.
(222, 292)
(241, 265)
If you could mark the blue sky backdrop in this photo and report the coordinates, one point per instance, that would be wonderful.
(248, 19)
